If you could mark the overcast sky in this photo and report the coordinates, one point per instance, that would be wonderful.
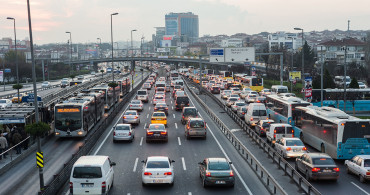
(90, 19)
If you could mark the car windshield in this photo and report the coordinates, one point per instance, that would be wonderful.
(233, 99)
(141, 92)
(218, 166)
(281, 130)
(192, 112)
(157, 164)
(158, 97)
(294, 143)
(196, 124)
(159, 114)
(130, 113)
(252, 96)
(123, 127)
(226, 92)
(240, 104)
(2, 101)
(265, 125)
(135, 102)
(87, 172)
(161, 105)
(323, 161)
(156, 127)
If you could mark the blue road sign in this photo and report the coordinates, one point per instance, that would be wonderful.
(31, 98)
(217, 52)
(7, 70)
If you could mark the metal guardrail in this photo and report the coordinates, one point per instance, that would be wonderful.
(270, 183)
(63, 175)
(302, 183)
(28, 91)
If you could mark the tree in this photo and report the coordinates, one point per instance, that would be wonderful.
(328, 81)
(18, 87)
(37, 129)
(102, 73)
(72, 76)
(354, 84)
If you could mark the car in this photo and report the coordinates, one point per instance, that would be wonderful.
(123, 132)
(158, 99)
(159, 117)
(161, 107)
(241, 111)
(362, 85)
(251, 98)
(64, 84)
(17, 99)
(216, 171)
(174, 92)
(136, 105)
(162, 93)
(179, 93)
(255, 112)
(188, 112)
(215, 89)
(156, 132)
(5, 103)
(225, 94)
(317, 166)
(178, 87)
(45, 84)
(158, 170)
(360, 166)
(231, 100)
(262, 126)
(234, 95)
(195, 127)
(244, 92)
(147, 86)
(131, 116)
(181, 102)
(92, 73)
(265, 92)
(142, 95)
(237, 104)
(290, 147)
(235, 90)
(261, 99)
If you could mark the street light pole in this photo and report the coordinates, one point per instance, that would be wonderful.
(99, 47)
(111, 36)
(15, 46)
(70, 57)
(302, 54)
(132, 63)
(322, 79)
(41, 170)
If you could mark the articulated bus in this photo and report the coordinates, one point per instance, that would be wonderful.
(75, 117)
(108, 95)
(332, 131)
(252, 82)
(227, 75)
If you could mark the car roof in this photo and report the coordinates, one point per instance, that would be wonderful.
(158, 112)
(217, 160)
(123, 125)
(364, 156)
(291, 138)
(90, 160)
(280, 124)
(196, 119)
(318, 155)
(157, 158)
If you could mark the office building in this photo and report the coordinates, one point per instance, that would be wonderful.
(182, 24)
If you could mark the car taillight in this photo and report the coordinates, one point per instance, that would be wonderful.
(243, 113)
(336, 169)
(125, 117)
(71, 187)
(103, 187)
(147, 173)
(288, 149)
(114, 133)
(208, 174)
(304, 148)
(367, 173)
(136, 117)
(164, 133)
(168, 173)
(251, 119)
(315, 169)
(166, 108)
(292, 132)
(149, 133)
(129, 133)
(231, 174)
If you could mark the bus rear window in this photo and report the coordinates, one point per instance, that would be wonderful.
(356, 130)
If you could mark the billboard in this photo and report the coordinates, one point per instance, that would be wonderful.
(308, 88)
(295, 75)
(165, 43)
(167, 37)
(163, 50)
(240, 54)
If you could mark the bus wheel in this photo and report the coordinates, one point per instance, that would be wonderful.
(322, 148)
(301, 137)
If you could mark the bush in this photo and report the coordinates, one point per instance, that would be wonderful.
(37, 129)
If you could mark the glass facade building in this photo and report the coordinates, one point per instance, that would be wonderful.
(182, 24)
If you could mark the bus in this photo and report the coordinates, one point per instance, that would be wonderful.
(75, 117)
(280, 108)
(358, 100)
(174, 74)
(332, 131)
(227, 75)
(256, 84)
(108, 95)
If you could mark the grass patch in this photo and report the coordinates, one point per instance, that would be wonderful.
(363, 117)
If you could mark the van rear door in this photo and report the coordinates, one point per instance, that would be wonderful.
(87, 180)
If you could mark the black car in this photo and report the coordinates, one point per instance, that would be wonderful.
(216, 171)
(156, 132)
(161, 107)
(215, 90)
(181, 101)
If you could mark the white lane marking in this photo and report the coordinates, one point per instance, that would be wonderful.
(183, 163)
(174, 116)
(145, 126)
(147, 116)
(128, 194)
(176, 125)
(227, 157)
(171, 101)
(178, 138)
(172, 107)
(149, 107)
(189, 193)
(135, 165)
(360, 188)
(141, 141)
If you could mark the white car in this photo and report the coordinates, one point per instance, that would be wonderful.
(359, 165)
(123, 132)
(45, 84)
(251, 98)
(362, 85)
(158, 170)
(136, 105)
(290, 147)
(236, 105)
(5, 103)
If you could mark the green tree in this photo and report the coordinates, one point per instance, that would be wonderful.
(354, 84)
(102, 73)
(328, 81)
(37, 129)
(18, 87)
(72, 76)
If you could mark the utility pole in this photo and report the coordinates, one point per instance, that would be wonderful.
(345, 70)
(322, 78)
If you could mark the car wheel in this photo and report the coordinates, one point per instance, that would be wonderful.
(362, 179)
(183, 122)
(322, 148)
(347, 170)
(205, 137)
(111, 186)
(308, 176)
(114, 141)
(171, 184)
(147, 141)
(144, 184)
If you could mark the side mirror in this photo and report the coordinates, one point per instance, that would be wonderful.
(200, 163)
(230, 163)
(172, 161)
(143, 161)
(112, 164)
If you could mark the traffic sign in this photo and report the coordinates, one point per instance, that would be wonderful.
(40, 159)
(240, 54)
(7, 70)
(217, 55)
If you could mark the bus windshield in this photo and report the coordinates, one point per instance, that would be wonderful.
(68, 118)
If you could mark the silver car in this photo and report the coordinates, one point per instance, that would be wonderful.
(290, 147)
(231, 100)
(131, 116)
(123, 132)
(251, 98)
(195, 127)
(241, 111)
(136, 105)
(225, 94)
(238, 104)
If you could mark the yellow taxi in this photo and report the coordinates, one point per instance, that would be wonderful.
(15, 98)
(159, 118)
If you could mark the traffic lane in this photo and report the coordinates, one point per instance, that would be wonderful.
(346, 183)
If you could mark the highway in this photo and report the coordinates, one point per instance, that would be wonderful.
(23, 178)
(346, 184)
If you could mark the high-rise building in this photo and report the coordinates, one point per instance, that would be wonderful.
(182, 24)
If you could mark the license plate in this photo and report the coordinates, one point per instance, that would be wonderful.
(156, 135)
(87, 185)
(220, 182)
(158, 181)
(326, 170)
(158, 119)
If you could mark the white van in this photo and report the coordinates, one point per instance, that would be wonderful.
(276, 89)
(92, 175)
(278, 131)
(179, 82)
(255, 112)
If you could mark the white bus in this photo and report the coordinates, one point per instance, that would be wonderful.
(332, 131)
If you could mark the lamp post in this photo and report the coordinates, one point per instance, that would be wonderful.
(132, 63)
(111, 37)
(70, 57)
(302, 54)
(15, 46)
(41, 170)
(99, 46)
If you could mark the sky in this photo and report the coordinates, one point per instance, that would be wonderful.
(90, 19)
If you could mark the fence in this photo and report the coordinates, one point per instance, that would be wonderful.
(302, 183)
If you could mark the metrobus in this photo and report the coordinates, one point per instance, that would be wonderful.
(227, 75)
(358, 100)
(108, 95)
(75, 117)
(256, 84)
(99, 102)
(332, 131)
(280, 108)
